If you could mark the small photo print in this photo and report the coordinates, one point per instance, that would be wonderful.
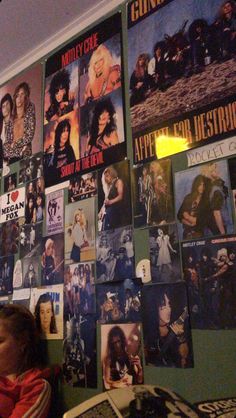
(121, 355)
(79, 352)
(9, 237)
(30, 240)
(6, 275)
(166, 326)
(10, 182)
(31, 275)
(80, 231)
(46, 304)
(55, 212)
(114, 198)
(82, 186)
(153, 202)
(115, 255)
(31, 168)
(202, 201)
(52, 260)
(79, 289)
(119, 302)
(164, 253)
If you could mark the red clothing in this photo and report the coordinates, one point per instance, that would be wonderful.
(28, 396)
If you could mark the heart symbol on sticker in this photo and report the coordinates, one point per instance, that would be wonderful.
(14, 195)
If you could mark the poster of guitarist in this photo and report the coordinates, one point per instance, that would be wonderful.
(52, 260)
(165, 311)
(114, 202)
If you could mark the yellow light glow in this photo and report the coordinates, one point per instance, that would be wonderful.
(169, 145)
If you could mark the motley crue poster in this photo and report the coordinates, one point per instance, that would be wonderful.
(115, 255)
(202, 200)
(20, 116)
(209, 267)
(153, 193)
(166, 327)
(83, 104)
(181, 72)
(114, 196)
(164, 253)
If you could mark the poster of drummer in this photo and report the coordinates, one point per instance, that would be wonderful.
(182, 82)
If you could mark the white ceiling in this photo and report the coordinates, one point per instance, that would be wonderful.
(30, 29)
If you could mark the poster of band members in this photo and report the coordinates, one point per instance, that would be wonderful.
(202, 200)
(114, 196)
(115, 255)
(52, 259)
(181, 71)
(80, 231)
(119, 302)
(209, 267)
(153, 193)
(82, 186)
(20, 116)
(164, 253)
(34, 201)
(83, 104)
(30, 240)
(6, 275)
(55, 212)
(121, 356)
(79, 351)
(46, 304)
(167, 337)
(79, 289)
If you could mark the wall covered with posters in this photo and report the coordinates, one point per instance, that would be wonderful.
(127, 261)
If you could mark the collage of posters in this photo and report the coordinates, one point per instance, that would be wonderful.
(73, 208)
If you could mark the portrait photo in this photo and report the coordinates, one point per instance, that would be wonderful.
(52, 259)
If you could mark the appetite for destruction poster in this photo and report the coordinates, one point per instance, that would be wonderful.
(181, 72)
(83, 104)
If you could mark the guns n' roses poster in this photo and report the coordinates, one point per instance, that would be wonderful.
(209, 271)
(83, 104)
(181, 77)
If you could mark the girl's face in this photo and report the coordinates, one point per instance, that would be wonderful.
(45, 314)
(164, 311)
(64, 136)
(10, 351)
(201, 187)
(104, 118)
(60, 93)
